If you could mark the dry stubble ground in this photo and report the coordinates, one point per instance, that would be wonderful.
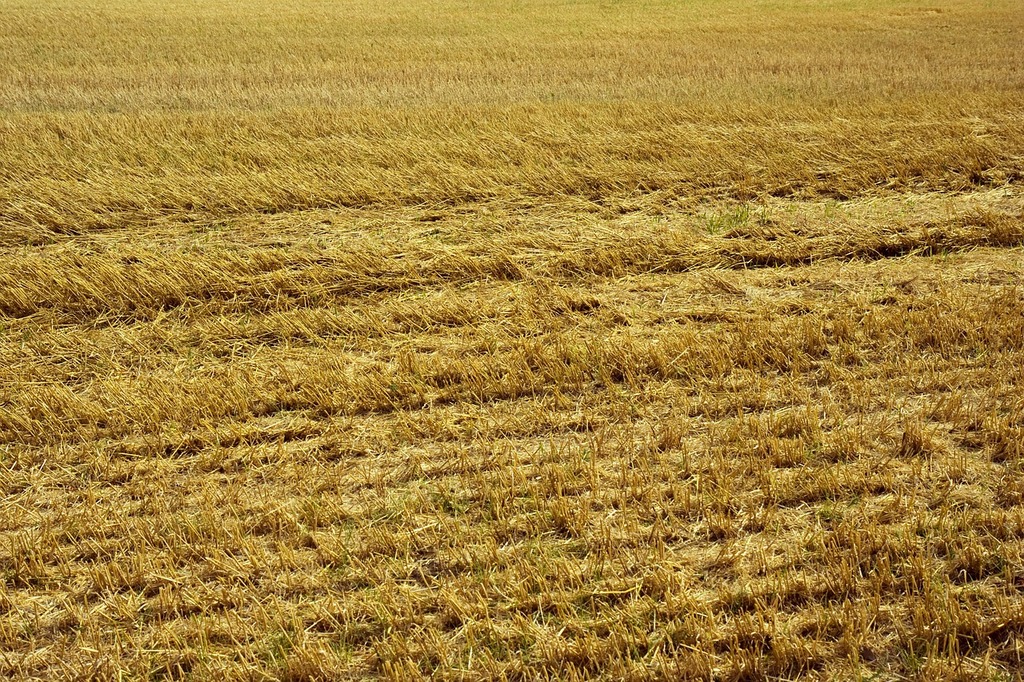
(529, 341)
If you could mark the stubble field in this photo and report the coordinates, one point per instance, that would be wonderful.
(532, 340)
